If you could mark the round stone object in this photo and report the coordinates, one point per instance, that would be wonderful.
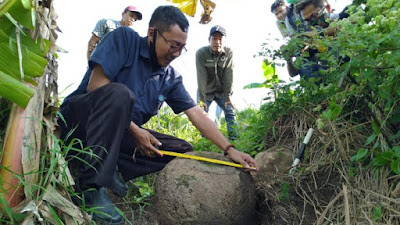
(273, 163)
(200, 193)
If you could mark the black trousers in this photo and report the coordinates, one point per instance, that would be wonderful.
(100, 119)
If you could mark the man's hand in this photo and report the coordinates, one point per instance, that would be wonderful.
(203, 105)
(146, 142)
(244, 159)
(92, 45)
(229, 103)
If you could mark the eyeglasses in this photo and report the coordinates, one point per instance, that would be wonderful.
(173, 48)
(316, 15)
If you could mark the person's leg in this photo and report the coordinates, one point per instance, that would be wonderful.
(230, 117)
(100, 119)
(102, 116)
(133, 164)
(208, 103)
(218, 112)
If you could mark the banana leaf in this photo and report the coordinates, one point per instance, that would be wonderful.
(19, 15)
(186, 6)
(21, 10)
(14, 90)
(33, 59)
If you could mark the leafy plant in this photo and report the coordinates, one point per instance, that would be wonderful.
(361, 82)
(21, 57)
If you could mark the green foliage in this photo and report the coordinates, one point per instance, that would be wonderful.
(377, 212)
(14, 90)
(332, 112)
(271, 77)
(251, 139)
(251, 130)
(140, 191)
(284, 193)
(361, 83)
(21, 58)
(180, 126)
(361, 154)
(176, 125)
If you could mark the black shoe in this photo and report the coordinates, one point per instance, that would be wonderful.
(104, 211)
(118, 186)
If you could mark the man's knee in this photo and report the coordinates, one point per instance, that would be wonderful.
(119, 91)
(186, 147)
(181, 146)
(118, 95)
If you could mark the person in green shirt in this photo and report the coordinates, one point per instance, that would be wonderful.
(214, 64)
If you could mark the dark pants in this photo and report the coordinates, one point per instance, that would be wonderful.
(100, 119)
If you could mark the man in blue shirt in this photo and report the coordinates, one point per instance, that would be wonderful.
(128, 80)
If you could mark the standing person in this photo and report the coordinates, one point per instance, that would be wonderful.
(279, 9)
(129, 79)
(214, 64)
(130, 15)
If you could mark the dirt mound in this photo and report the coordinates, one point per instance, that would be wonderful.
(327, 188)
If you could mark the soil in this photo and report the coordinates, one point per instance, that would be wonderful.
(295, 201)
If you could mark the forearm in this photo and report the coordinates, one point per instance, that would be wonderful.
(201, 81)
(228, 89)
(200, 119)
(228, 77)
(89, 52)
(133, 129)
(202, 91)
(228, 82)
(92, 44)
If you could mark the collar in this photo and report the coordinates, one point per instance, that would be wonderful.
(144, 48)
(212, 53)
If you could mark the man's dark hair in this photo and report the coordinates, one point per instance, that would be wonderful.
(277, 4)
(302, 4)
(166, 16)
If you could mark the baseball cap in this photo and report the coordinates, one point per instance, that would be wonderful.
(217, 29)
(134, 9)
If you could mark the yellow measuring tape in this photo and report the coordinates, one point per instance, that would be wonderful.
(199, 158)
